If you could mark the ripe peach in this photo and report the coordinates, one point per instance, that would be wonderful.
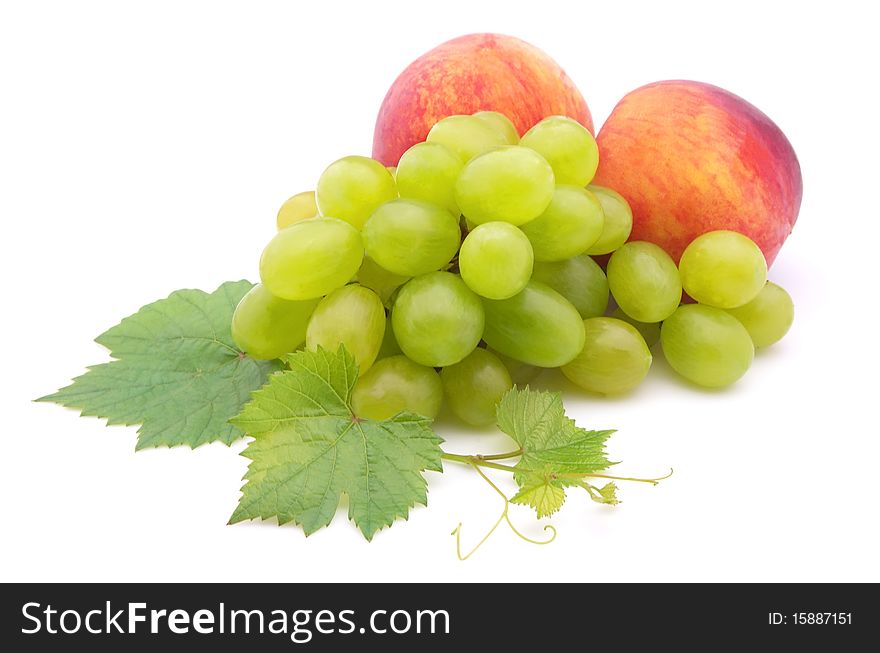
(692, 158)
(477, 72)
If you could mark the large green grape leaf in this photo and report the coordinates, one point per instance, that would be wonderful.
(309, 449)
(177, 371)
(555, 451)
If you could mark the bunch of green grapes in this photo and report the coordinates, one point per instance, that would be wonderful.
(710, 342)
(469, 267)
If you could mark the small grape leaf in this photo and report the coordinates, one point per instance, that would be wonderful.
(177, 371)
(555, 451)
(606, 494)
(541, 492)
(309, 448)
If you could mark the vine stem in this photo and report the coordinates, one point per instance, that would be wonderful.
(476, 461)
(482, 461)
(504, 517)
(652, 481)
(499, 456)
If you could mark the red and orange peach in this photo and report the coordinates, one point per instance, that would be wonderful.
(691, 158)
(477, 72)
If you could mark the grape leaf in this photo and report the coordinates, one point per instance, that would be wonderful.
(177, 371)
(309, 448)
(555, 451)
(606, 494)
(540, 492)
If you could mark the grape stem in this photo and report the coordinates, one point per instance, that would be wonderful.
(499, 456)
(504, 517)
(480, 460)
(484, 460)
(652, 481)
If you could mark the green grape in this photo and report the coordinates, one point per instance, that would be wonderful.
(393, 171)
(352, 316)
(474, 386)
(706, 345)
(496, 260)
(614, 359)
(521, 373)
(394, 385)
(500, 123)
(723, 269)
(411, 237)
(618, 220)
(568, 146)
(427, 171)
(382, 282)
(467, 136)
(580, 280)
(538, 326)
(300, 207)
(437, 319)
(568, 226)
(389, 344)
(511, 184)
(266, 327)
(644, 281)
(650, 330)
(311, 258)
(768, 316)
(352, 188)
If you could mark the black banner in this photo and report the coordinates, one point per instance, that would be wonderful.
(333, 617)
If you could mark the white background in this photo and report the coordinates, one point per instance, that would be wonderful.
(145, 147)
